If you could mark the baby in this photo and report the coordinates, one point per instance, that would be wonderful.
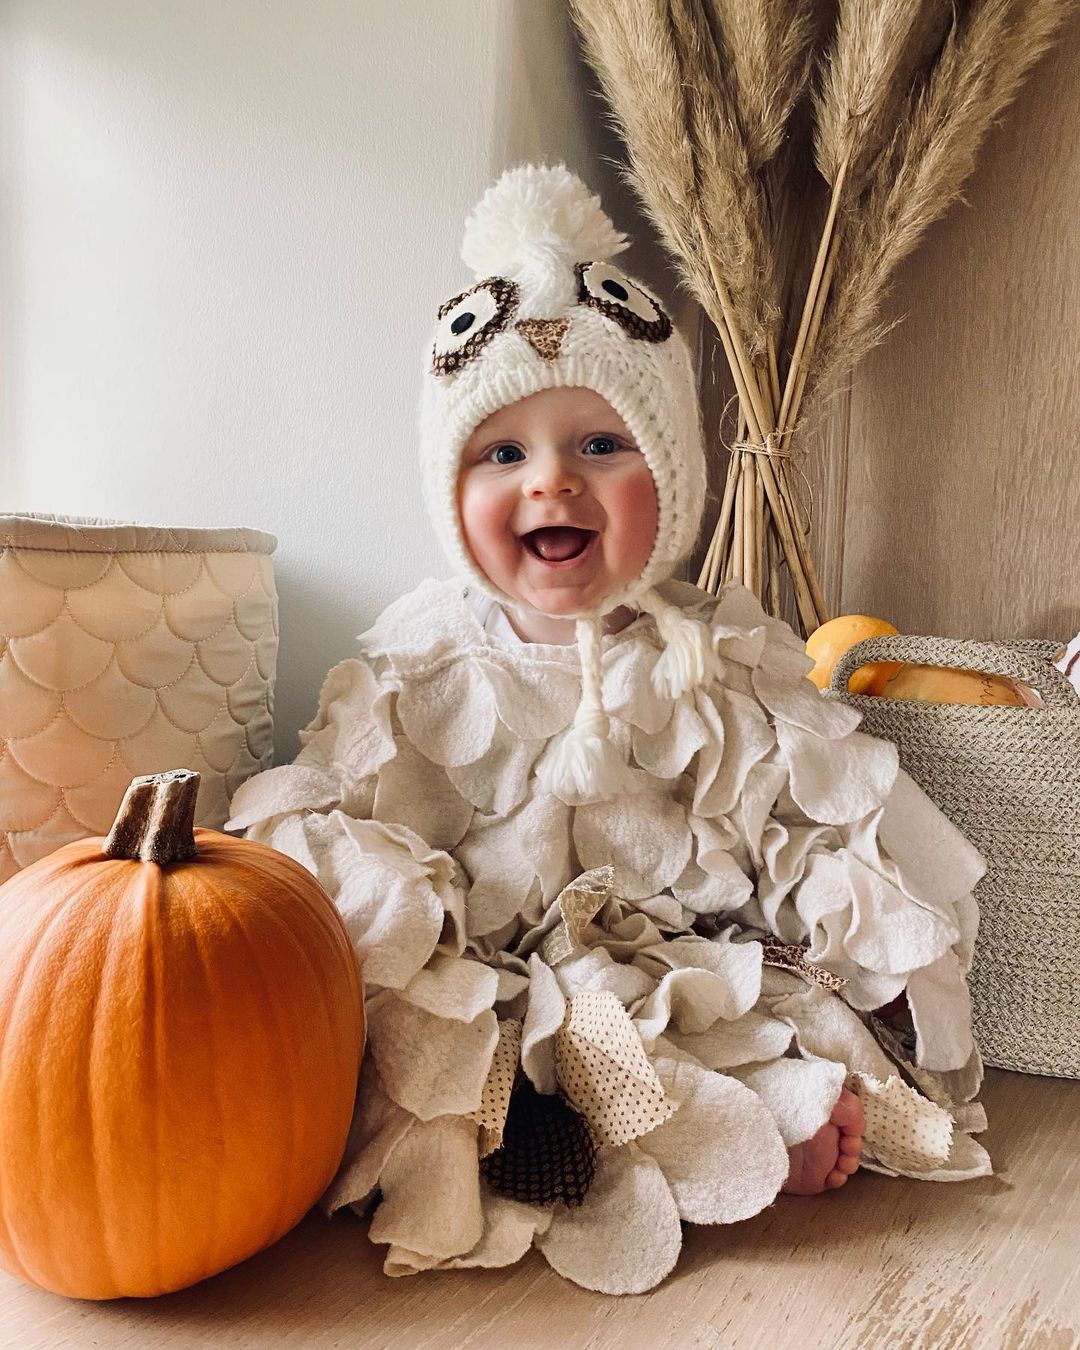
(629, 896)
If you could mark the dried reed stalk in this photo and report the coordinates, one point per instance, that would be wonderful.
(705, 94)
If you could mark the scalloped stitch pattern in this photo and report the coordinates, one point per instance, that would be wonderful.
(113, 665)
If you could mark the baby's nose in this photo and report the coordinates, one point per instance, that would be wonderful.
(551, 476)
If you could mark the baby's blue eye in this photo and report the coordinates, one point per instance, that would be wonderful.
(601, 445)
(507, 454)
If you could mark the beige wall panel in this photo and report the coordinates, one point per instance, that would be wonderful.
(962, 512)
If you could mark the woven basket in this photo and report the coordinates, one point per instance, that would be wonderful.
(1009, 779)
(127, 649)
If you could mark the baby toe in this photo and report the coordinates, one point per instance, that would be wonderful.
(835, 1180)
(851, 1144)
(848, 1113)
(846, 1163)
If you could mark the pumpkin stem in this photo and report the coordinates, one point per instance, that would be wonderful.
(156, 819)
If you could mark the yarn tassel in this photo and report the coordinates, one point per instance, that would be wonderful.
(583, 765)
(688, 659)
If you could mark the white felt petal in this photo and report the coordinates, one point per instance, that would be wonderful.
(739, 625)
(431, 1190)
(891, 933)
(691, 999)
(721, 1152)
(966, 1161)
(544, 1017)
(645, 836)
(378, 1125)
(748, 738)
(941, 1012)
(414, 792)
(543, 825)
(535, 702)
(800, 1093)
(934, 859)
(596, 969)
(386, 896)
(666, 753)
(450, 715)
(752, 1038)
(500, 874)
(289, 787)
(509, 1230)
(625, 1236)
(628, 689)
(496, 782)
(430, 1065)
(707, 893)
(737, 964)
(453, 987)
(824, 1025)
(750, 813)
(837, 781)
(781, 684)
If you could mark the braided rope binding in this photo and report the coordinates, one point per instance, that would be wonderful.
(1009, 779)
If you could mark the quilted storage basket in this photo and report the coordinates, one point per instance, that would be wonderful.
(124, 650)
(1009, 779)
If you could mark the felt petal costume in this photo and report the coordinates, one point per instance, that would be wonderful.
(624, 909)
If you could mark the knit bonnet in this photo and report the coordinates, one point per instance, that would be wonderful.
(548, 308)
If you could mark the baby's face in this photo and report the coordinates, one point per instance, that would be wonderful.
(558, 507)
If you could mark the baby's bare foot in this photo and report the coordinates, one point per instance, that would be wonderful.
(829, 1158)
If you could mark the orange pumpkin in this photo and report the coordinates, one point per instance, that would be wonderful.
(181, 1025)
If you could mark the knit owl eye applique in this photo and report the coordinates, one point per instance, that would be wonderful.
(605, 288)
(469, 322)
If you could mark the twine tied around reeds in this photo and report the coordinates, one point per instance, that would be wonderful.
(738, 118)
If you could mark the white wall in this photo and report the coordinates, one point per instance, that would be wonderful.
(226, 227)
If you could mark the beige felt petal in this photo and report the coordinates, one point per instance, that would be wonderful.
(780, 683)
(892, 933)
(509, 1229)
(837, 781)
(500, 874)
(800, 1093)
(414, 792)
(692, 1000)
(625, 1237)
(596, 969)
(824, 1025)
(757, 800)
(739, 625)
(941, 1012)
(752, 1038)
(645, 836)
(496, 782)
(431, 1190)
(430, 1065)
(543, 827)
(453, 987)
(936, 862)
(748, 738)
(544, 1017)
(628, 687)
(721, 1152)
(450, 715)
(378, 1125)
(289, 787)
(352, 729)
(535, 701)
(737, 964)
(604, 1073)
(495, 1100)
(904, 1130)
(385, 895)
(666, 753)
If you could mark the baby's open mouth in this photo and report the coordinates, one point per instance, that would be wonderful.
(558, 543)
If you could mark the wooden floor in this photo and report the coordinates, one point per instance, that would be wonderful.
(882, 1263)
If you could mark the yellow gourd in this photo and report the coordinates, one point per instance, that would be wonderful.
(938, 684)
(827, 644)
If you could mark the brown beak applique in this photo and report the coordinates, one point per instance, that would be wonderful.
(544, 336)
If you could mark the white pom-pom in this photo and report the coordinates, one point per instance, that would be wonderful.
(537, 206)
(582, 767)
(688, 659)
